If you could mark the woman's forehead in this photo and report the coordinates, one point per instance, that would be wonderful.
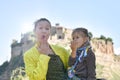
(43, 24)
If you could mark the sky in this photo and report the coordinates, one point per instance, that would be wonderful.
(101, 17)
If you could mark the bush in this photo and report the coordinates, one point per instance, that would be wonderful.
(102, 37)
(18, 74)
(109, 39)
(90, 35)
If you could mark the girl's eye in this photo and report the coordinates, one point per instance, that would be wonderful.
(77, 37)
(73, 38)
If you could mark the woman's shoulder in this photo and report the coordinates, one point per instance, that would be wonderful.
(29, 51)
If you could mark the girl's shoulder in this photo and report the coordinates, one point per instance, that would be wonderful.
(90, 52)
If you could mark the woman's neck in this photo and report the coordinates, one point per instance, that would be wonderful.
(44, 48)
(43, 45)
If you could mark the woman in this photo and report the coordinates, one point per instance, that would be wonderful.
(45, 61)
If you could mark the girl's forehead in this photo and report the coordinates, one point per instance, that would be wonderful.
(78, 33)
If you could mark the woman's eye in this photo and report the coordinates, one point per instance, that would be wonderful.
(47, 28)
(40, 27)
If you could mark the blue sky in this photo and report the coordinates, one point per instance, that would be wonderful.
(101, 17)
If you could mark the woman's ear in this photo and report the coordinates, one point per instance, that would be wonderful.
(34, 30)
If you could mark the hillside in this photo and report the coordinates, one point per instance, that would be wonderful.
(107, 64)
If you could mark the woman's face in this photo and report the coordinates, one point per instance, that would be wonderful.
(42, 31)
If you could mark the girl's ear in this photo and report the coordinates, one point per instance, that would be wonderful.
(86, 39)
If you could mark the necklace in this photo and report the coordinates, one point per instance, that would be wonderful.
(45, 50)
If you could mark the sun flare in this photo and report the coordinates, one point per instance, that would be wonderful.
(27, 27)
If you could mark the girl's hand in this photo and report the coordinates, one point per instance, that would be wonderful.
(74, 45)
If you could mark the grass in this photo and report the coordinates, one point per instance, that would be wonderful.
(115, 76)
(99, 69)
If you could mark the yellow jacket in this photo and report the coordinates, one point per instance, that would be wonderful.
(36, 64)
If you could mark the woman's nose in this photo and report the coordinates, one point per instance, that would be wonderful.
(44, 30)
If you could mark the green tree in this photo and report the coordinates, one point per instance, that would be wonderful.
(90, 35)
(109, 39)
(102, 37)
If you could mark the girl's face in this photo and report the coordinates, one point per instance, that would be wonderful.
(79, 38)
(42, 31)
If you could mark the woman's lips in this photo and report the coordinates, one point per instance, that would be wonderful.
(43, 37)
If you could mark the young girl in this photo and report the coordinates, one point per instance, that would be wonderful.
(82, 59)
